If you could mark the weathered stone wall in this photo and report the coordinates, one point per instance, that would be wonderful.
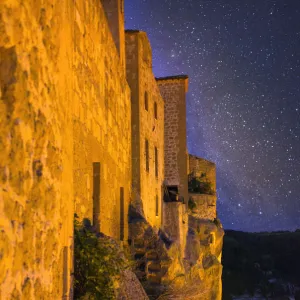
(173, 91)
(114, 11)
(64, 105)
(205, 206)
(146, 125)
(198, 166)
(175, 223)
(101, 123)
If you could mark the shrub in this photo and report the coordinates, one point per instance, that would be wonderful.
(200, 185)
(191, 204)
(98, 262)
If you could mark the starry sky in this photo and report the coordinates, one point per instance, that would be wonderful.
(243, 105)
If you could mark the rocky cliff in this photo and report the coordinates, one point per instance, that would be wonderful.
(168, 271)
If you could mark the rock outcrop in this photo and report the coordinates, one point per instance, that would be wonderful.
(166, 271)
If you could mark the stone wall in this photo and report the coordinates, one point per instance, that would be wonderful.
(114, 11)
(205, 206)
(64, 106)
(147, 125)
(101, 123)
(175, 223)
(198, 166)
(173, 91)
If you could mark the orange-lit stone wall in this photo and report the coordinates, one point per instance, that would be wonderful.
(205, 206)
(101, 122)
(64, 105)
(147, 184)
(205, 203)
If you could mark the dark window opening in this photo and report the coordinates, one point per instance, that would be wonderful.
(171, 193)
(155, 110)
(96, 195)
(147, 154)
(156, 161)
(122, 221)
(146, 101)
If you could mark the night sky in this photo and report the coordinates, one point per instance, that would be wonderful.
(243, 105)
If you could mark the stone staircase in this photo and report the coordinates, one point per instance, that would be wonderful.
(151, 258)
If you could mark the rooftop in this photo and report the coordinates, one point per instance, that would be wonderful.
(176, 77)
(170, 79)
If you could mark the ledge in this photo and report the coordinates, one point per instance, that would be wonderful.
(172, 79)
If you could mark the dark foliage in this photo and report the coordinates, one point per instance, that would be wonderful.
(200, 185)
(262, 262)
(98, 262)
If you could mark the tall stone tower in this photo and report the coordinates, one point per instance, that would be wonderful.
(173, 90)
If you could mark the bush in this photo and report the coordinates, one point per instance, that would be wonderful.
(98, 262)
(199, 185)
(191, 204)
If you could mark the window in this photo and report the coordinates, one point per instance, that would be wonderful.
(122, 222)
(96, 194)
(155, 110)
(146, 101)
(156, 161)
(156, 205)
(147, 154)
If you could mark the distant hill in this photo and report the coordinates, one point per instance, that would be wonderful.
(265, 263)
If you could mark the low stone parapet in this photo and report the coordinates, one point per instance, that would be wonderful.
(203, 206)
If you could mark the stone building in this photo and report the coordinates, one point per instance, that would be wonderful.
(65, 137)
(85, 128)
(147, 123)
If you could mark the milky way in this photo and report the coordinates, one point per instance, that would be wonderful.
(243, 105)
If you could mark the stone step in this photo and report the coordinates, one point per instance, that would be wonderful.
(154, 267)
(139, 243)
(140, 251)
(152, 256)
(153, 278)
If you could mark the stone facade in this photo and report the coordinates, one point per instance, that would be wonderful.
(85, 128)
(147, 127)
(205, 206)
(101, 121)
(173, 90)
(65, 105)
(205, 203)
